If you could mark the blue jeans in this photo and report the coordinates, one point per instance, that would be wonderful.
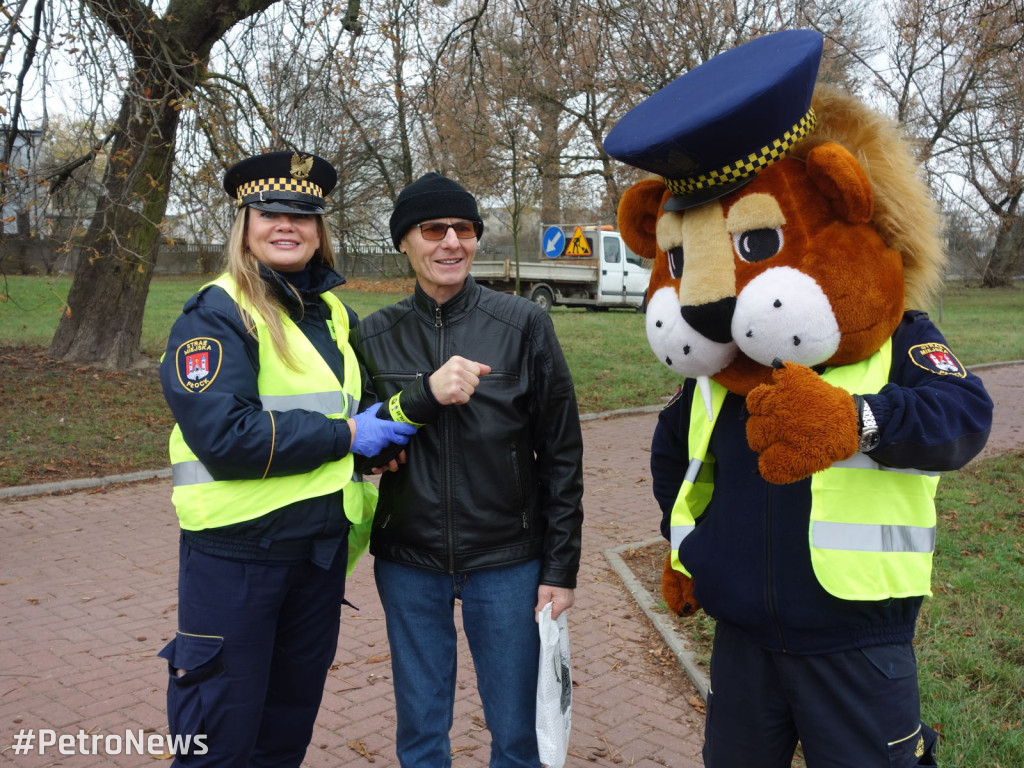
(497, 616)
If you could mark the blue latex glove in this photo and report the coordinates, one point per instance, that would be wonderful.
(374, 434)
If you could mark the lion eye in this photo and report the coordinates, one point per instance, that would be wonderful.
(757, 244)
(675, 262)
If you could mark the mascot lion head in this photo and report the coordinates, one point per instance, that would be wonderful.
(806, 249)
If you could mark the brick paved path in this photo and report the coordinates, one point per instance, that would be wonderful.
(87, 598)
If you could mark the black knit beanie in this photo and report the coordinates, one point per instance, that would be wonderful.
(431, 196)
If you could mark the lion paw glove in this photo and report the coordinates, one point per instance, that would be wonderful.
(800, 424)
(677, 589)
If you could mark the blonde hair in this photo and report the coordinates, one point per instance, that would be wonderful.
(244, 269)
(905, 214)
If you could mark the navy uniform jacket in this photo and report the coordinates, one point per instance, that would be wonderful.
(223, 426)
(749, 554)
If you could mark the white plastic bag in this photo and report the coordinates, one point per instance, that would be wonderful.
(554, 690)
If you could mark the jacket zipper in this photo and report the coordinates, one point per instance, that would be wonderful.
(446, 457)
(769, 567)
(517, 476)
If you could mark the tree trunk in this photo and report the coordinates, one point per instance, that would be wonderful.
(102, 323)
(549, 149)
(1007, 259)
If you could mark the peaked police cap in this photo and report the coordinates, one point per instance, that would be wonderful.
(711, 130)
(286, 182)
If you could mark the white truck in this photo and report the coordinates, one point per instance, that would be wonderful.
(577, 265)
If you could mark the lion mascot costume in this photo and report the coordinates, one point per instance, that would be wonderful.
(796, 468)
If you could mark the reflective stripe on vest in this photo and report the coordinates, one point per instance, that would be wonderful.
(872, 528)
(698, 483)
(318, 402)
(203, 502)
(680, 532)
(859, 537)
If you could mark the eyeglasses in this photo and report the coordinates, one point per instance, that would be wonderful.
(438, 230)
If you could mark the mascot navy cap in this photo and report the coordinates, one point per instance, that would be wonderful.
(711, 130)
(286, 182)
(431, 196)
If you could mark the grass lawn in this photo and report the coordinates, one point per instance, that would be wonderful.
(60, 420)
(49, 410)
(970, 634)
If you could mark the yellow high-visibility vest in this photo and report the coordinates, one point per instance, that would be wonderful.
(872, 528)
(203, 502)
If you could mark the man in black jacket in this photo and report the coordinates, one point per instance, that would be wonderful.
(487, 507)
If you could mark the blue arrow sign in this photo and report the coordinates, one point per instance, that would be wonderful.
(553, 242)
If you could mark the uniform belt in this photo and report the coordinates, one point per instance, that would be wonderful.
(262, 550)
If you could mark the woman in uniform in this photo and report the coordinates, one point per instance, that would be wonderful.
(265, 389)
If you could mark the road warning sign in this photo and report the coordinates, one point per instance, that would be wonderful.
(578, 246)
(553, 242)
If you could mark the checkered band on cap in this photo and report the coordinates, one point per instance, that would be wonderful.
(749, 165)
(260, 186)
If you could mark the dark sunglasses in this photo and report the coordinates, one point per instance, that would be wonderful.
(437, 230)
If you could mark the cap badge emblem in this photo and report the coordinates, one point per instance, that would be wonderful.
(301, 166)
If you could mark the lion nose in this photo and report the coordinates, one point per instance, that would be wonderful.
(712, 320)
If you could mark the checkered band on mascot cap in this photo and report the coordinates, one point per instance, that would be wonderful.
(713, 129)
(286, 182)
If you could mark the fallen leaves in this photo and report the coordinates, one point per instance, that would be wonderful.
(359, 747)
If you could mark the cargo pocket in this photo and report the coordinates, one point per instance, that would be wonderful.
(894, 661)
(191, 661)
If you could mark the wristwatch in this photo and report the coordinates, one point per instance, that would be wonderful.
(869, 434)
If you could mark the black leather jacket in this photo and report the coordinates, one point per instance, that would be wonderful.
(496, 481)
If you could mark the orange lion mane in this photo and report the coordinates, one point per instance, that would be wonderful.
(904, 213)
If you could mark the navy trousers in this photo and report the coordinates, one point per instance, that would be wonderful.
(248, 663)
(848, 710)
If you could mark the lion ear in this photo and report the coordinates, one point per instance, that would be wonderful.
(638, 216)
(842, 180)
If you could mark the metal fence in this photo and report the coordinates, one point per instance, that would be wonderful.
(367, 261)
(28, 256)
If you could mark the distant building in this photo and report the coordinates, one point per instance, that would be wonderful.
(20, 193)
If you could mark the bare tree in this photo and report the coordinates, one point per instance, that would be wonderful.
(513, 99)
(75, 171)
(167, 59)
(300, 85)
(103, 320)
(30, 35)
(954, 78)
(991, 140)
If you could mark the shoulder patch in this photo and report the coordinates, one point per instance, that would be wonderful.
(198, 363)
(938, 359)
(672, 400)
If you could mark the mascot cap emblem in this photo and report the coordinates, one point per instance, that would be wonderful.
(711, 130)
(286, 182)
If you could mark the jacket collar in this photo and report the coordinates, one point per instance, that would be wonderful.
(457, 306)
(320, 280)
